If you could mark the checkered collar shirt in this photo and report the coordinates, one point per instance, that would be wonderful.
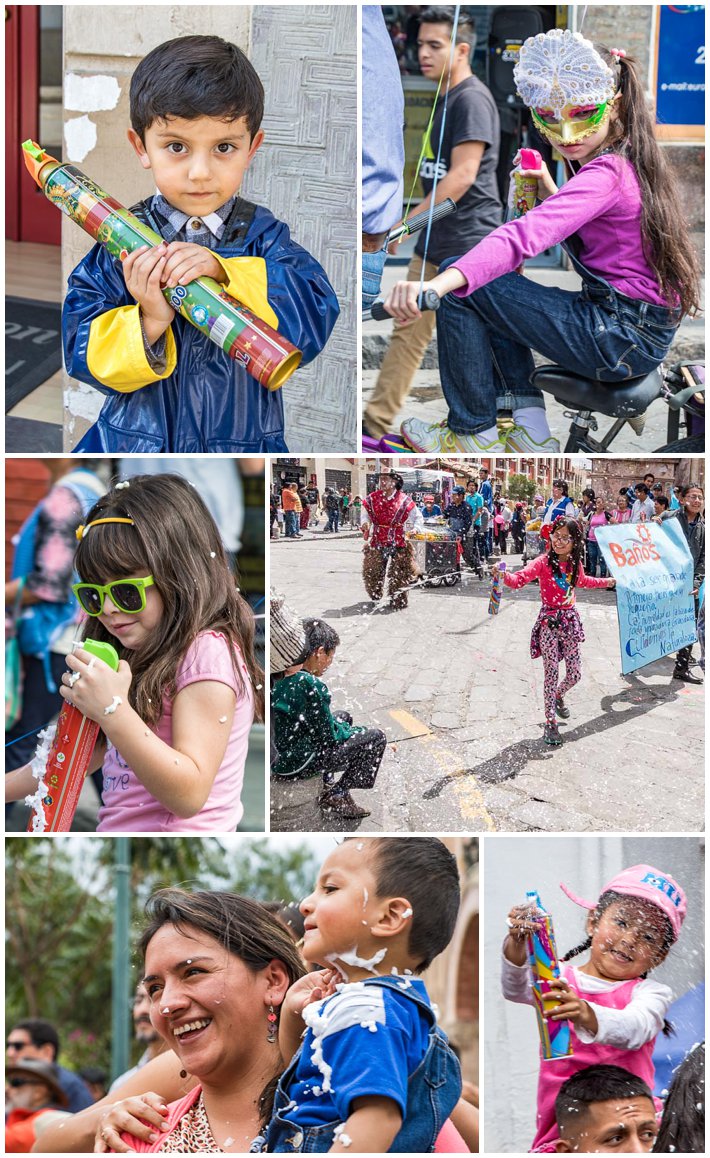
(178, 226)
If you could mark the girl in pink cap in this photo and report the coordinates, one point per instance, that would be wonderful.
(616, 1011)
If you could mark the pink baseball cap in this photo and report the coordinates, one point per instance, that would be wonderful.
(648, 884)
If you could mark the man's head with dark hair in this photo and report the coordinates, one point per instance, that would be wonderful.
(445, 14)
(196, 107)
(642, 490)
(321, 641)
(649, 479)
(661, 503)
(602, 1109)
(559, 484)
(192, 77)
(33, 1037)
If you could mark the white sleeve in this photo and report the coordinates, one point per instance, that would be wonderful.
(515, 982)
(365, 519)
(415, 520)
(639, 1022)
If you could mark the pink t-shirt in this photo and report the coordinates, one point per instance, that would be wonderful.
(552, 592)
(601, 204)
(129, 807)
(598, 519)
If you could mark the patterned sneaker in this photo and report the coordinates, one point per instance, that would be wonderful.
(436, 438)
(519, 440)
(551, 734)
(561, 708)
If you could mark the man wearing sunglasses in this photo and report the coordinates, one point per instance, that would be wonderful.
(35, 1039)
(34, 1097)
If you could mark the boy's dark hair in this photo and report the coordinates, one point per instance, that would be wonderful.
(682, 1128)
(41, 1032)
(641, 487)
(196, 76)
(422, 869)
(320, 634)
(445, 14)
(662, 501)
(595, 1084)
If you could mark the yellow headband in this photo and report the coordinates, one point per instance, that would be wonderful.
(81, 531)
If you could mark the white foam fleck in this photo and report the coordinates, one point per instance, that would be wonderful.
(38, 768)
(407, 913)
(112, 706)
(350, 957)
(223, 719)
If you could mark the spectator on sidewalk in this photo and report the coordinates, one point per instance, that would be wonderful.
(332, 509)
(292, 509)
(34, 1038)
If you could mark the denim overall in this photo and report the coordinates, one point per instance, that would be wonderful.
(432, 1092)
(486, 340)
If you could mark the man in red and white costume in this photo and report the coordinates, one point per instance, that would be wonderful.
(388, 515)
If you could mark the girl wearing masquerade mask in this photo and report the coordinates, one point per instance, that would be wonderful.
(558, 629)
(176, 715)
(619, 221)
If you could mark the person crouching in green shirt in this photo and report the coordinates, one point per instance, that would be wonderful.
(312, 740)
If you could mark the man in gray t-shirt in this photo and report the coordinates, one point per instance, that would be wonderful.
(467, 173)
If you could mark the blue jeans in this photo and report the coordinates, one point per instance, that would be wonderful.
(486, 340)
(594, 556)
(333, 519)
(291, 522)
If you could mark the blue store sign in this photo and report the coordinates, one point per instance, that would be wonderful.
(680, 82)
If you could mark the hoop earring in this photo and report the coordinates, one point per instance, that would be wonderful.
(272, 1018)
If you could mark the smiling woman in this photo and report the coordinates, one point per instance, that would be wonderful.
(217, 967)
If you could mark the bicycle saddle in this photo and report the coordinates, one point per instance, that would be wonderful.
(617, 399)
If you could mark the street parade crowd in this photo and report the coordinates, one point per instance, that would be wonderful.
(472, 527)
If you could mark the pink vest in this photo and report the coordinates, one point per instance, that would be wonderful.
(554, 1073)
(388, 518)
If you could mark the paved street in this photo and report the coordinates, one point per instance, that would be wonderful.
(461, 703)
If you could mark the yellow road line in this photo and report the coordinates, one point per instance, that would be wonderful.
(470, 797)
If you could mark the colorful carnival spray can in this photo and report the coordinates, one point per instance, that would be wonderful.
(525, 188)
(68, 759)
(264, 353)
(555, 1037)
(496, 592)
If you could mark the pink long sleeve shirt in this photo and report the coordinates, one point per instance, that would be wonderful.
(602, 205)
(553, 593)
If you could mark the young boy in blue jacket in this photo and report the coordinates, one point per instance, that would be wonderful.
(196, 107)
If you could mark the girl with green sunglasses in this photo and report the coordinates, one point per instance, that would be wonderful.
(175, 717)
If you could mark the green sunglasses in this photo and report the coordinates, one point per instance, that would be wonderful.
(127, 595)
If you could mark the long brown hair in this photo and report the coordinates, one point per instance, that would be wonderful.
(667, 245)
(175, 539)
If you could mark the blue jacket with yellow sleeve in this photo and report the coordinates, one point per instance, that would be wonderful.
(202, 400)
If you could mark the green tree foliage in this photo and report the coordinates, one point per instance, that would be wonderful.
(57, 942)
(265, 874)
(521, 488)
